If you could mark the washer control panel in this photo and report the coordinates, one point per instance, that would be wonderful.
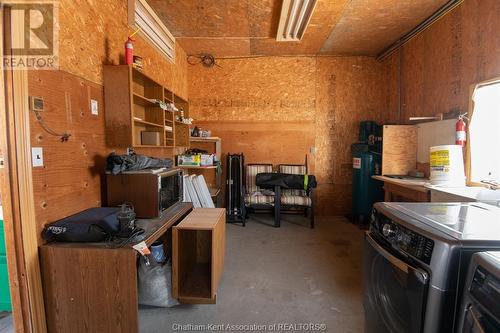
(402, 238)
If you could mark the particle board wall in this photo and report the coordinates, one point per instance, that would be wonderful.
(399, 149)
(275, 109)
(71, 179)
(93, 33)
(439, 66)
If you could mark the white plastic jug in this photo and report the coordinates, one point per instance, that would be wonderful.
(447, 166)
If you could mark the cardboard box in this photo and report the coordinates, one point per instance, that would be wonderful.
(191, 160)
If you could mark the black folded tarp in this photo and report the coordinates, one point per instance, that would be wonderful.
(91, 225)
(285, 180)
(133, 162)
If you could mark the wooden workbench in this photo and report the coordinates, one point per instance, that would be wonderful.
(412, 190)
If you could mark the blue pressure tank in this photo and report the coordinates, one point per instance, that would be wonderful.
(366, 162)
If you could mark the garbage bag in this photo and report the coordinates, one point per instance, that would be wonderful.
(285, 180)
(119, 163)
(155, 284)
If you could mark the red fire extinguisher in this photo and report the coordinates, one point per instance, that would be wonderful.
(460, 131)
(129, 51)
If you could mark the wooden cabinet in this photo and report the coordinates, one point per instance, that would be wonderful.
(92, 287)
(198, 257)
(133, 115)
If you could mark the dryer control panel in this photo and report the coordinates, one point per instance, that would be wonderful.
(402, 238)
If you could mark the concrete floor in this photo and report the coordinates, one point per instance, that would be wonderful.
(6, 325)
(289, 275)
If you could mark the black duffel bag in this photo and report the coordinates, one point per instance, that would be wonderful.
(91, 225)
(285, 180)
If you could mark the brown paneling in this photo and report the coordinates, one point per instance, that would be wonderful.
(439, 65)
(274, 109)
(100, 279)
(71, 179)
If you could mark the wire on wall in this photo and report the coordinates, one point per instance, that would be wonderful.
(207, 60)
(63, 136)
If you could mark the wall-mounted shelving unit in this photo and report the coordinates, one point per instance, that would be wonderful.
(132, 112)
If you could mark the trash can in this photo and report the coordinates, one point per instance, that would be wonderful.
(5, 303)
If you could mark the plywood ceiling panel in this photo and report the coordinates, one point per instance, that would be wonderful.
(228, 28)
(368, 27)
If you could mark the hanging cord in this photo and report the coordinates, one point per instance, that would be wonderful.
(63, 136)
(207, 60)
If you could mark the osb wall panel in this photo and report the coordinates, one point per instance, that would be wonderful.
(94, 33)
(71, 179)
(349, 90)
(367, 27)
(259, 89)
(439, 66)
(227, 28)
(271, 109)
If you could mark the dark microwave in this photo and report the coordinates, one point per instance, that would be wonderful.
(151, 192)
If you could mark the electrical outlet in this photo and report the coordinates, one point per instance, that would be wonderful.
(37, 156)
(94, 107)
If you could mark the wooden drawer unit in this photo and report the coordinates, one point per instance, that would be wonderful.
(198, 255)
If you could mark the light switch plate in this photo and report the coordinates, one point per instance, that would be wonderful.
(37, 156)
(94, 107)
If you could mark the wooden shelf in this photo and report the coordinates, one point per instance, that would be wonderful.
(147, 123)
(214, 191)
(148, 146)
(143, 101)
(197, 167)
(130, 93)
(201, 139)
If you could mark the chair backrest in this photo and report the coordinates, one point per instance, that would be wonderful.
(294, 169)
(251, 172)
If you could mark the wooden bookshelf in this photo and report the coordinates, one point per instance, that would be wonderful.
(132, 107)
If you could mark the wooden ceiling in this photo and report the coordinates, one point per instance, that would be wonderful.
(229, 28)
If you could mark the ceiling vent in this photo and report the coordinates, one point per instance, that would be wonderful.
(295, 16)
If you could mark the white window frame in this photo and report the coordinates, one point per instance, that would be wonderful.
(142, 16)
(470, 115)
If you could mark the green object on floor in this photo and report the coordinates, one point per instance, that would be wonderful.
(5, 303)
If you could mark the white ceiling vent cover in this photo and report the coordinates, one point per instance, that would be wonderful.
(142, 16)
(294, 19)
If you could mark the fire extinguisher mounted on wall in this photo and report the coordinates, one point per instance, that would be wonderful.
(460, 130)
(129, 49)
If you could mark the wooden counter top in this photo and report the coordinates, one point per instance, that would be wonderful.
(414, 184)
(153, 229)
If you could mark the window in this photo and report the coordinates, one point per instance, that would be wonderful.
(484, 134)
(143, 17)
